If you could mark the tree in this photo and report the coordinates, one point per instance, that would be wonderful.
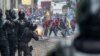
(65, 7)
(35, 1)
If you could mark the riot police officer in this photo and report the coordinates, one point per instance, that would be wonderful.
(4, 45)
(88, 17)
(11, 32)
(25, 34)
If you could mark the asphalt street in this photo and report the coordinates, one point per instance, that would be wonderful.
(41, 47)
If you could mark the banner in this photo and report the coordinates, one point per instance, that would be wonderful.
(26, 2)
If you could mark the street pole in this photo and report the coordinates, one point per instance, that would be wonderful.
(32, 6)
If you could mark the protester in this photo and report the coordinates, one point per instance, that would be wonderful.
(46, 25)
(57, 22)
(53, 27)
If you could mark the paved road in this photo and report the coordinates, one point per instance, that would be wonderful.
(43, 46)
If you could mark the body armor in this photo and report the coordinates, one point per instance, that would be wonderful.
(4, 44)
(25, 34)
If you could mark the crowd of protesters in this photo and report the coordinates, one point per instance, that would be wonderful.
(58, 24)
(55, 23)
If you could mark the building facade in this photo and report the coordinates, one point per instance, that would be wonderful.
(56, 7)
(8, 4)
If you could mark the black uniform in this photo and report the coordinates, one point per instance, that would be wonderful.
(63, 28)
(11, 31)
(88, 18)
(4, 45)
(25, 34)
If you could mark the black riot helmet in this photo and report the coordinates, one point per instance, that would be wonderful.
(88, 18)
(1, 13)
(12, 14)
(7, 15)
(21, 15)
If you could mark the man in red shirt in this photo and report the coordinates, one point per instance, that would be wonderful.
(53, 27)
(57, 21)
(46, 25)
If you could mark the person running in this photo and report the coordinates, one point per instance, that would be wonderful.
(52, 27)
(57, 22)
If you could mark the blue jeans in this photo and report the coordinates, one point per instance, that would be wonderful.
(53, 30)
